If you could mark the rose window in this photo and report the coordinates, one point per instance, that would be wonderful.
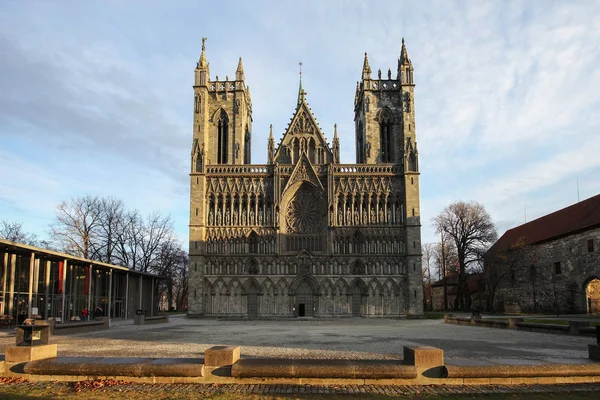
(304, 212)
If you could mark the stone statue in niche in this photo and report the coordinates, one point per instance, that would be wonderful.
(373, 217)
(236, 217)
(340, 214)
(365, 218)
(389, 216)
(237, 106)
(381, 216)
(356, 217)
(260, 217)
(252, 215)
(268, 218)
(244, 218)
(227, 218)
(197, 101)
(348, 217)
(219, 218)
(211, 217)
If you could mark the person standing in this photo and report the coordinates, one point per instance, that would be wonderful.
(84, 314)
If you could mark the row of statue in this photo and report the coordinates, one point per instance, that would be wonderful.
(368, 216)
(228, 218)
(369, 246)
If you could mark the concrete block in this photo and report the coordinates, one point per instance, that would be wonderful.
(423, 356)
(218, 356)
(19, 354)
(513, 321)
(594, 352)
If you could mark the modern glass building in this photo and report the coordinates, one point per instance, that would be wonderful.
(45, 283)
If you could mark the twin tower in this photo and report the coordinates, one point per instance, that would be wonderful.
(304, 235)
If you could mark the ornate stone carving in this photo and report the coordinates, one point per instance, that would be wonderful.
(304, 212)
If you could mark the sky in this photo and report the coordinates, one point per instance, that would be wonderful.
(96, 96)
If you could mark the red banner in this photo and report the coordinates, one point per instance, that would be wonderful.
(60, 277)
(86, 281)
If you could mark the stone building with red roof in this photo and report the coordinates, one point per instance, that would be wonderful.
(550, 264)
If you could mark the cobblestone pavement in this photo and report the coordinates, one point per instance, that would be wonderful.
(386, 390)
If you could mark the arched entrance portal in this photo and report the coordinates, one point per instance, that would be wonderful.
(592, 296)
(304, 300)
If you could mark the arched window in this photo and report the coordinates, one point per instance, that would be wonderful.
(253, 242)
(412, 163)
(247, 147)
(252, 267)
(385, 134)
(223, 136)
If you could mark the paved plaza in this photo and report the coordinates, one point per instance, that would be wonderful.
(348, 338)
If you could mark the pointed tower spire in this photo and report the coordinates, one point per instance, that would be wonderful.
(405, 68)
(335, 145)
(202, 72)
(270, 146)
(404, 60)
(202, 61)
(239, 73)
(366, 71)
(300, 90)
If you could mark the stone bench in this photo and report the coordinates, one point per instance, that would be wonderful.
(340, 369)
(143, 320)
(103, 366)
(66, 328)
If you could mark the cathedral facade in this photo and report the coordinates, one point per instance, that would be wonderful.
(304, 235)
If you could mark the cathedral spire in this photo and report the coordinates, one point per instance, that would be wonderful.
(202, 61)
(239, 73)
(270, 146)
(405, 68)
(366, 71)
(404, 60)
(300, 90)
(202, 72)
(335, 145)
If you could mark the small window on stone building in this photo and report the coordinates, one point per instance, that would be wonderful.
(557, 268)
(590, 245)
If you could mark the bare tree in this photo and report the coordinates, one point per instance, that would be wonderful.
(470, 228)
(75, 226)
(427, 251)
(111, 223)
(14, 232)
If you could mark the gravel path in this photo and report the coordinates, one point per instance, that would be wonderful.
(348, 338)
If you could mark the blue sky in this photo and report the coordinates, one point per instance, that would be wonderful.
(96, 97)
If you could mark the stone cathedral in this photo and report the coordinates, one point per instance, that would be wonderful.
(304, 235)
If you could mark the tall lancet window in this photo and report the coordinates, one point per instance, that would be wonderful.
(223, 136)
(386, 140)
(247, 147)
(360, 151)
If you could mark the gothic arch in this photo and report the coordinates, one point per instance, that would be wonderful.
(385, 114)
(220, 287)
(268, 285)
(358, 268)
(374, 284)
(298, 280)
(282, 286)
(251, 286)
(357, 282)
(218, 112)
(252, 266)
(326, 286)
(342, 285)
